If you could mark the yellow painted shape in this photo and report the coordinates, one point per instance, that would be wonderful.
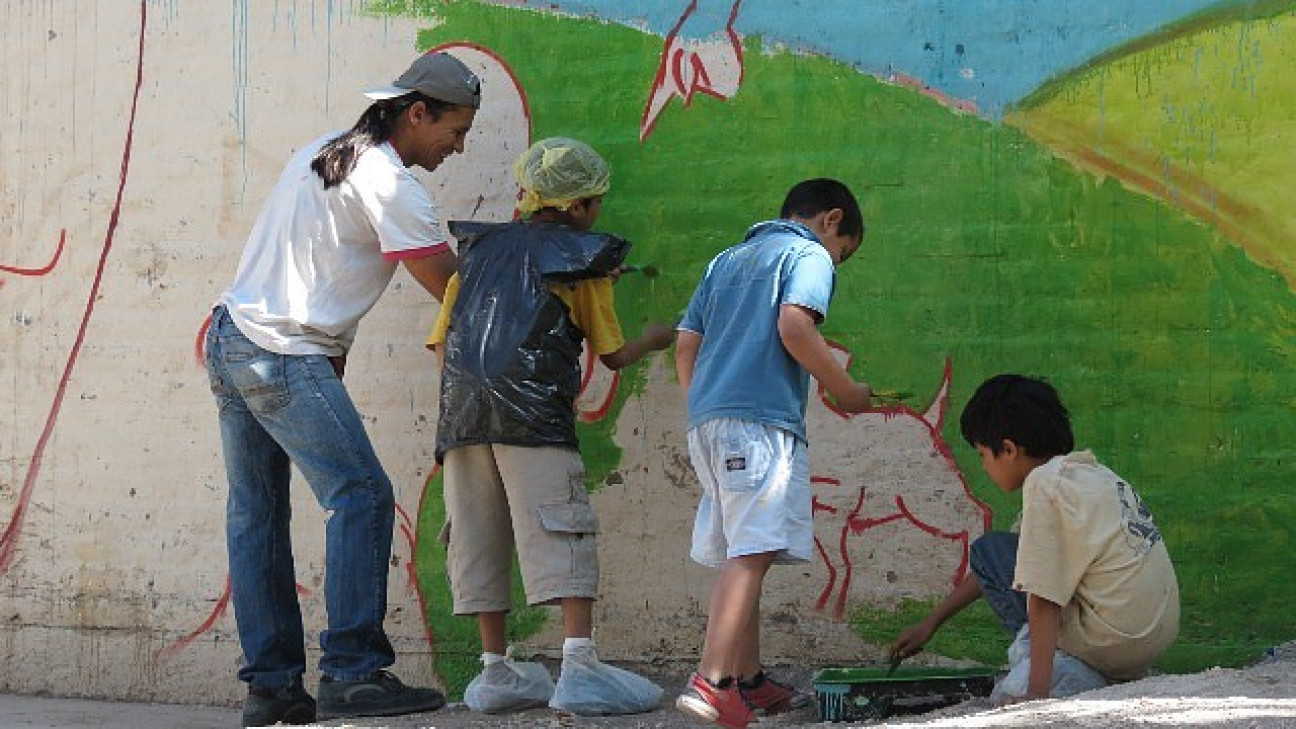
(1205, 121)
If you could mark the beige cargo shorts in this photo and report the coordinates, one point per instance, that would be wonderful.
(530, 499)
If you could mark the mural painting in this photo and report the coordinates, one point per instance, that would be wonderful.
(1089, 194)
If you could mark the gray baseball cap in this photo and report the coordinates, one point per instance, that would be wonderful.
(440, 76)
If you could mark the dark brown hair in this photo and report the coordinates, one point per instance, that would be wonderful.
(337, 158)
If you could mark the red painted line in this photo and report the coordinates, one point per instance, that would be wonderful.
(58, 252)
(9, 540)
(817, 506)
(961, 537)
(526, 106)
(414, 580)
(409, 530)
(600, 412)
(200, 346)
(832, 576)
(221, 604)
(848, 567)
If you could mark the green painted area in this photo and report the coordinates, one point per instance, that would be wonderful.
(1170, 346)
(1199, 115)
(973, 634)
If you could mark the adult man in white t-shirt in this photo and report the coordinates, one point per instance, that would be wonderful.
(344, 214)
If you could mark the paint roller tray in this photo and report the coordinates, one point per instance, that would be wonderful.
(869, 694)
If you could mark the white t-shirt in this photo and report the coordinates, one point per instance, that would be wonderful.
(1090, 545)
(317, 260)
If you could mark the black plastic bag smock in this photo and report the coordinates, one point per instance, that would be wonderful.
(512, 352)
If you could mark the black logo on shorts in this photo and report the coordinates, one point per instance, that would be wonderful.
(736, 463)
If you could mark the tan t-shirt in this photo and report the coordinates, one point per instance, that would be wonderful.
(1090, 545)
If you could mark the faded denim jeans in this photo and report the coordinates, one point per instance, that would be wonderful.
(281, 409)
(993, 562)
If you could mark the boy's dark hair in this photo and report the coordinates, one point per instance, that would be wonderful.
(1025, 410)
(337, 158)
(811, 197)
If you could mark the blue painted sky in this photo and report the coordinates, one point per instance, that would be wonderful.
(991, 52)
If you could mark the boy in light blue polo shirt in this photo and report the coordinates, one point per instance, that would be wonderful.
(746, 349)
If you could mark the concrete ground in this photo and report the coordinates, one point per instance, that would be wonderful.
(28, 712)
(1261, 696)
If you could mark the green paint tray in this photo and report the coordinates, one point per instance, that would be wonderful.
(869, 694)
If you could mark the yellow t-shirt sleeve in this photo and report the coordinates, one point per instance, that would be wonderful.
(592, 309)
(590, 302)
(438, 335)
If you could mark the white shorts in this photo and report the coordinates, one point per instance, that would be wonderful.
(755, 493)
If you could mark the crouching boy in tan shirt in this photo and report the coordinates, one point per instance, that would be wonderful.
(1087, 585)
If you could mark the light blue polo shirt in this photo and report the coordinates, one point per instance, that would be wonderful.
(743, 370)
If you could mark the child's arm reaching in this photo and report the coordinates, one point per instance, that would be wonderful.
(801, 338)
(655, 337)
(913, 638)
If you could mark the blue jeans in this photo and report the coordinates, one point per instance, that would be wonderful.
(994, 560)
(281, 409)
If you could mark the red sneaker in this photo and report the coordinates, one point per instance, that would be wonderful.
(720, 704)
(769, 697)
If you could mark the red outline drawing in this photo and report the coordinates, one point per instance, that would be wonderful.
(850, 521)
(691, 66)
(598, 388)
(58, 252)
(9, 539)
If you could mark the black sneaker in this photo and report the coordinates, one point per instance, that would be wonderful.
(267, 707)
(381, 695)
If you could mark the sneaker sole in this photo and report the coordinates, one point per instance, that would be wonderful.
(787, 707)
(297, 717)
(359, 711)
(697, 708)
(294, 716)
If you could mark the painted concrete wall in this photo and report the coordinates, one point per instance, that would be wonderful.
(1091, 196)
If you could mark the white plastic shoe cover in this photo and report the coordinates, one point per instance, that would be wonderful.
(1070, 674)
(589, 687)
(509, 686)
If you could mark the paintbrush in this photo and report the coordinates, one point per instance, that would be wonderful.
(893, 395)
(895, 663)
(647, 271)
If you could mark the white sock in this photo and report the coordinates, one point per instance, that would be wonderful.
(490, 659)
(572, 646)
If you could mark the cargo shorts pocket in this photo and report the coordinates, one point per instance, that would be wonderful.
(571, 558)
(569, 518)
